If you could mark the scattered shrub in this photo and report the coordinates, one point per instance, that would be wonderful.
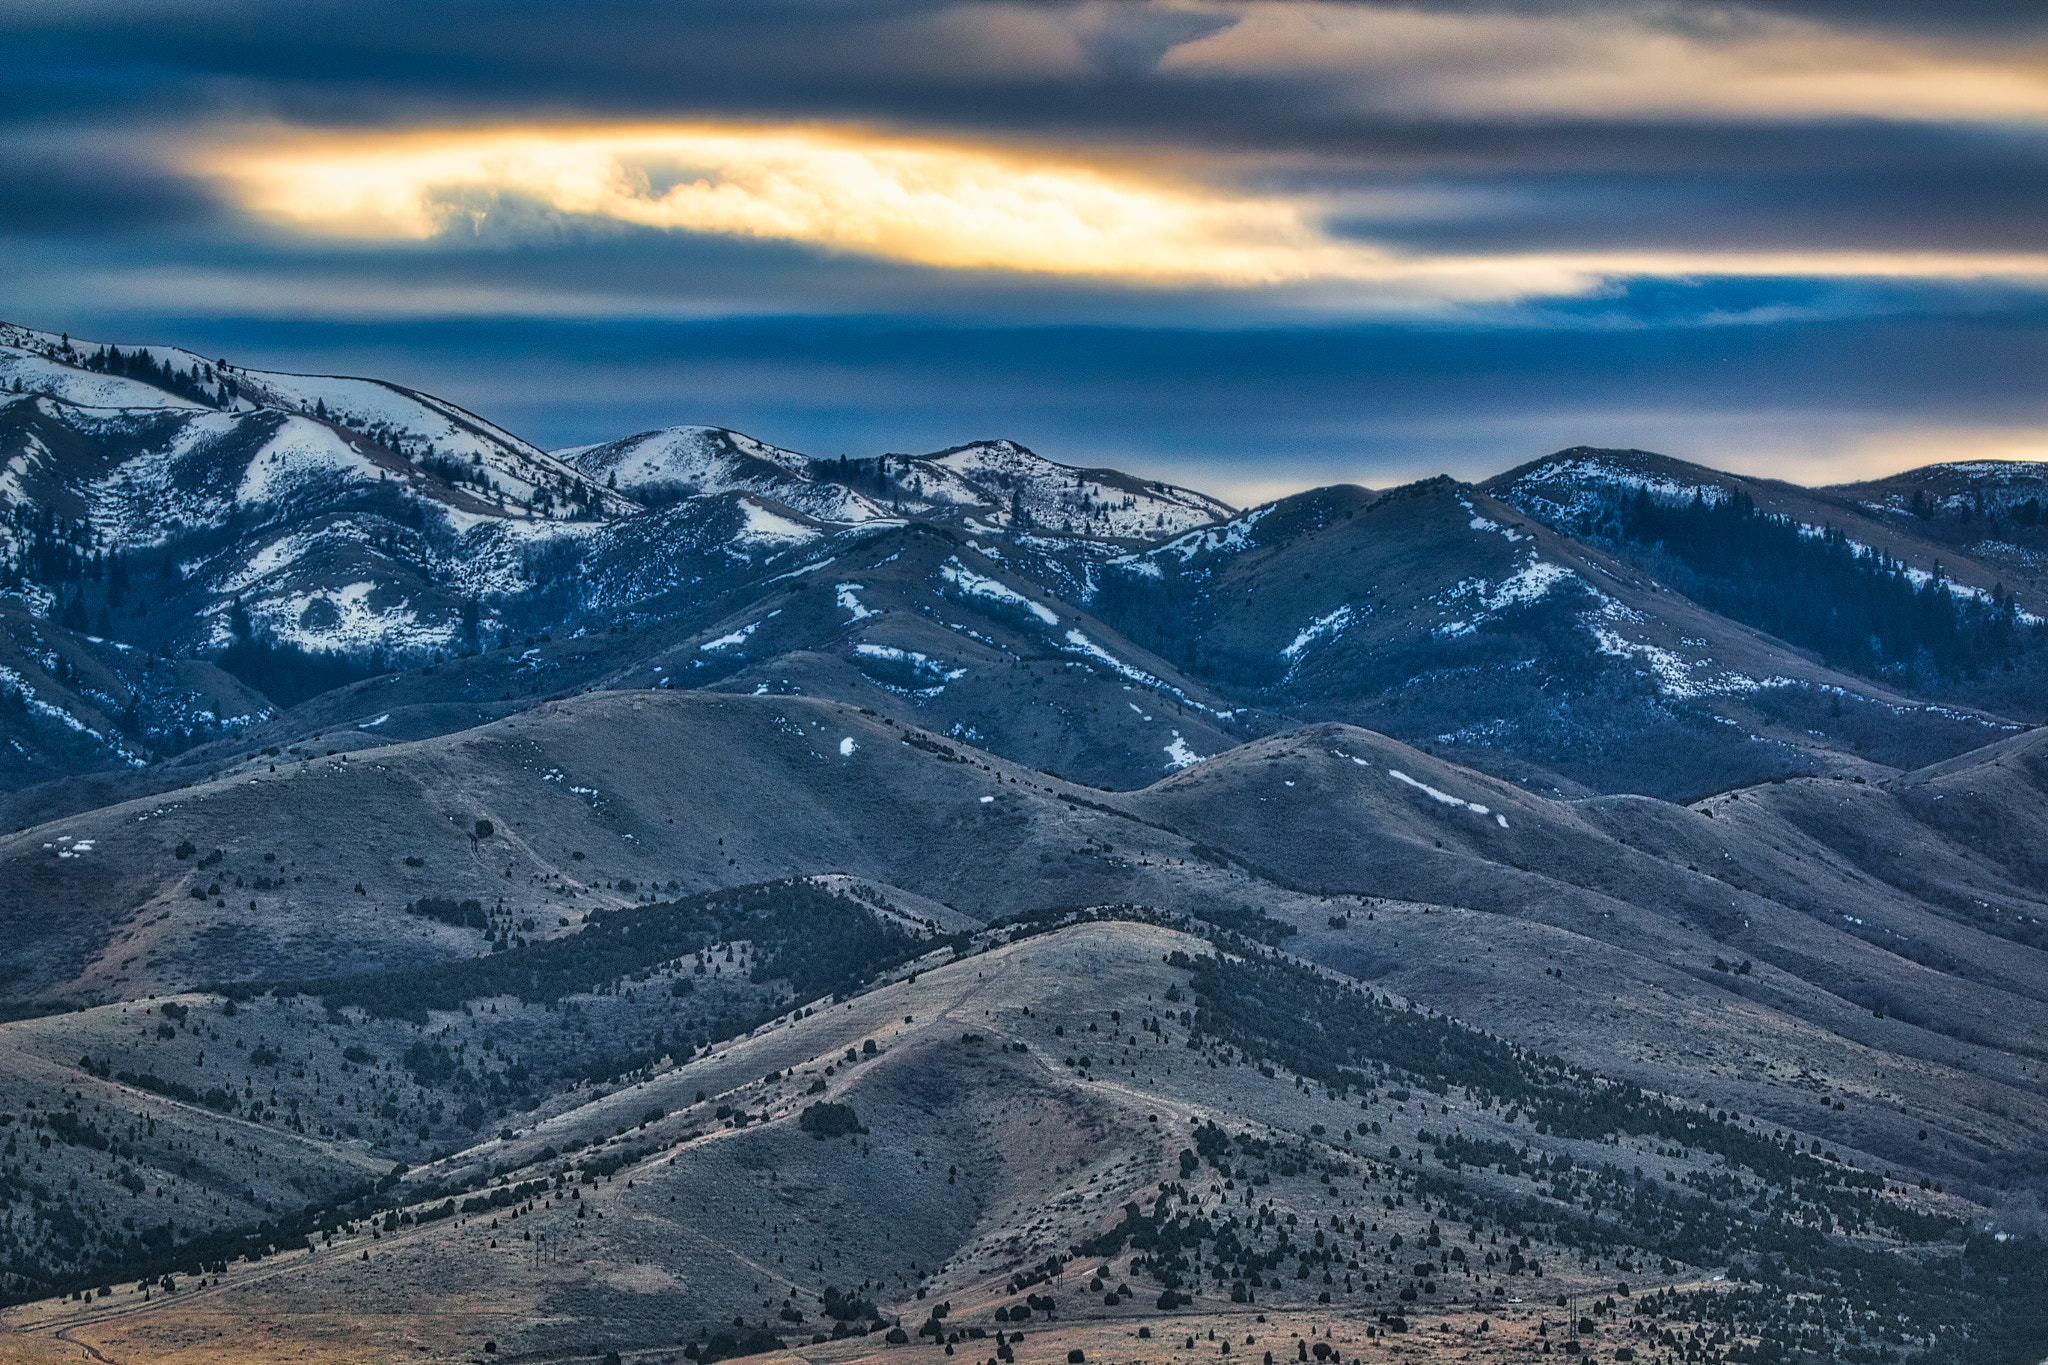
(826, 1120)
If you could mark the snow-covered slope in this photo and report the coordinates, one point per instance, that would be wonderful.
(1014, 481)
(1560, 490)
(1573, 489)
(1987, 520)
(507, 471)
(987, 486)
(75, 702)
(462, 447)
(657, 467)
(1982, 488)
(1443, 615)
(324, 538)
(27, 371)
(327, 513)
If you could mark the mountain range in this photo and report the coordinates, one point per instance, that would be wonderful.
(1618, 878)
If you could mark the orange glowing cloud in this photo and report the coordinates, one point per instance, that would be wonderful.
(948, 206)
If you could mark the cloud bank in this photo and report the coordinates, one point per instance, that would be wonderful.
(1702, 185)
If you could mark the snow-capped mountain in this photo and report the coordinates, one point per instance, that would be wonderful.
(354, 514)
(656, 468)
(989, 485)
(366, 551)
(191, 507)
(1975, 488)
(1012, 488)
(1983, 502)
(465, 450)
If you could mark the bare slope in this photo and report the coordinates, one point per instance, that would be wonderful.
(1010, 1109)
(670, 790)
(938, 630)
(1883, 946)
(1602, 921)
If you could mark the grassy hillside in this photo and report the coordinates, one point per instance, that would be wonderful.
(1143, 1130)
(1888, 927)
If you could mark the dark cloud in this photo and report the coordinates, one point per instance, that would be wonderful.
(1992, 201)
(1131, 40)
(380, 63)
(386, 62)
(1911, 16)
(1951, 18)
(1542, 182)
(58, 193)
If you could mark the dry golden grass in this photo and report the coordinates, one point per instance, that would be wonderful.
(980, 1158)
(197, 1330)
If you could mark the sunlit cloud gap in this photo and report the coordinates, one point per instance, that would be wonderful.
(938, 205)
(927, 204)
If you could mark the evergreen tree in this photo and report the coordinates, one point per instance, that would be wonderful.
(1855, 605)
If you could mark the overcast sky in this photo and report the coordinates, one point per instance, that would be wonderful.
(1251, 247)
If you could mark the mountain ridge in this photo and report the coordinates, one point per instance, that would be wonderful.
(312, 550)
(680, 898)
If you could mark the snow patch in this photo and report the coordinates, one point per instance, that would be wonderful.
(1076, 640)
(1481, 522)
(301, 450)
(1229, 538)
(763, 527)
(350, 620)
(1920, 578)
(1317, 629)
(1445, 797)
(980, 585)
(923, 663)
(1675, 675)
(852, 604)
(737, 637)
(1534, 580)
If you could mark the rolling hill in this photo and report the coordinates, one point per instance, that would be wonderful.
(1873, 922)
(680, 898)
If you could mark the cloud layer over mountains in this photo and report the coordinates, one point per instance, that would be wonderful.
(804, 210)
